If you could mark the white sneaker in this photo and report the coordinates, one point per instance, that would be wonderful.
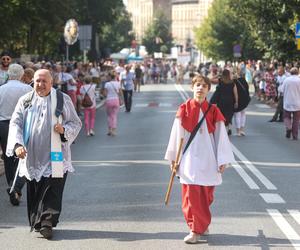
(242, 133)
(192, 238)
(92, 132)
(88, 134)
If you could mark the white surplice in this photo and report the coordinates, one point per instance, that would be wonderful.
(37, 162)
(207, 152)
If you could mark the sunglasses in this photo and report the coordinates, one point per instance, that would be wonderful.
(5, 58)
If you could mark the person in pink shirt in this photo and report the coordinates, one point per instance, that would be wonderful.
(89, 112)
(113, 93)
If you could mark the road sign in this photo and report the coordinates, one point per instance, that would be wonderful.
(85, 37)
(297, 33)
(237, 50)
(85, 44)
(85, 32)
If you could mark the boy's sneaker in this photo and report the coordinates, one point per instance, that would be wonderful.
(192, 238)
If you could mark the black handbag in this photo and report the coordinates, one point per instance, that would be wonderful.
(243, 97)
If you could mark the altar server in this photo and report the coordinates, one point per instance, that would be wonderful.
(205, 159)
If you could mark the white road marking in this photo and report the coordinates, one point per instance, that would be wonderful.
(160, 162)
(275, 164)
(264, 106)
(141, 105)
(182, 92)
(259, 113)
(285, 227)
(165, 105)
(295, 214)
(264, 180)
(249, 181)
(272, 198)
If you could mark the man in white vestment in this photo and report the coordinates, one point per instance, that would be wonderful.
(34, 133)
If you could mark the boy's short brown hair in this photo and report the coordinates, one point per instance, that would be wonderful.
(200, 78)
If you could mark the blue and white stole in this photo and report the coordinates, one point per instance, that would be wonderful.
(56, 147)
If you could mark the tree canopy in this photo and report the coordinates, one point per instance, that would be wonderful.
(36, 26)
(264, 29)
(158, 34)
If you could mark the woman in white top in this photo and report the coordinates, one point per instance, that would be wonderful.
(89, 112)
(113, 93)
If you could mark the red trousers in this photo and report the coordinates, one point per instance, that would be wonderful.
(195, 206)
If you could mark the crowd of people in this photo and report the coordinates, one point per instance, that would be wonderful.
(39, 96)
(275, 84)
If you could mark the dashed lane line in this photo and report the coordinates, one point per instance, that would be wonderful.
(272, 198)
(243, 174)
(295, 214)
(285, 227)
(264, 180)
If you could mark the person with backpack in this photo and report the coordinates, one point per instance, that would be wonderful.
(244, 98)
(42, 128)
(207, 150)
(88, 103)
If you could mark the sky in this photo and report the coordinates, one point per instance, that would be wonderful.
(125, 2)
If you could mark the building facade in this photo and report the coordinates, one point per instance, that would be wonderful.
(186, 16)
(143, 12)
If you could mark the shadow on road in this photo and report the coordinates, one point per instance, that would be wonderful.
(119, 236)
(213, 240)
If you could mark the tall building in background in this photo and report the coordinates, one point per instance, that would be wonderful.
(143, 12)
(184, 14)
(187, 15)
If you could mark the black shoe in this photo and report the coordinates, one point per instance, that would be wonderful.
(295, 138)
(272, 120)
(14, 198)
(46, 231)
(229, 132)
(280, 120)
(288, 133)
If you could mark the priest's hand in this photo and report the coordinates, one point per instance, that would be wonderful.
(222, 169)
(59, 128)
(21, 152)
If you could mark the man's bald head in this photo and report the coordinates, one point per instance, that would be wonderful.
(45, 72)
(42, 82)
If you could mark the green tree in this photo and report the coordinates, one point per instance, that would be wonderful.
(117, 35)
(272, 24)
(36, 26)
(97, 13)
(221, 30)
(32, 26)
(158, 34)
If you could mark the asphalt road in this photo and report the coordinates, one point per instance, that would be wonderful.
(114, 200)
